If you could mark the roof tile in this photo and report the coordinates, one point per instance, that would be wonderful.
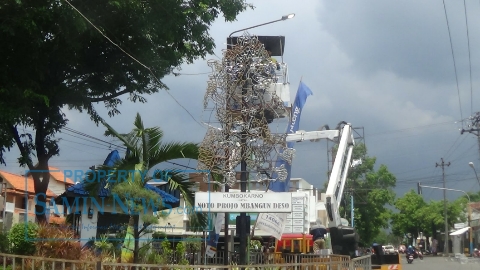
(20, 183)
(58, 175)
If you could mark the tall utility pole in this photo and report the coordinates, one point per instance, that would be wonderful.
(243, 178)
(443, 164)
(474, 127)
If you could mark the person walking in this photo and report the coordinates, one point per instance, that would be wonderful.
(318, 232)
(434, 247)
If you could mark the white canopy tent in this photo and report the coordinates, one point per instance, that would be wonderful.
(461, 231)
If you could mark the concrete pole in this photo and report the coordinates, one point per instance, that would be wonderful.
(443, 164)
(470, 231)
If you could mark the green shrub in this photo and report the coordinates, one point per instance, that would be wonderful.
(8, 267)
(21, 238)
(193, 244)
(180, 251)
(4, 245)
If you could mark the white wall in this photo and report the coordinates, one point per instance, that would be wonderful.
(56, 187)
(456, 243)
(88, 227)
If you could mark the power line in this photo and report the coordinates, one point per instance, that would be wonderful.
(469, 58)
(454, 62)
(94, 146)
(93, 140)
(91, 137)
(407, 129)
(100, 140)
(133, 58)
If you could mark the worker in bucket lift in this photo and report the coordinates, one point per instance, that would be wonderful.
(318, 231)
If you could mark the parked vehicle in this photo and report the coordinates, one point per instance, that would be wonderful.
(389, 249)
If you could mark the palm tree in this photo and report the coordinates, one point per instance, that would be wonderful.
(145, 150)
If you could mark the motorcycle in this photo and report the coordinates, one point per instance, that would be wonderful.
(418, 255)
(409, 258)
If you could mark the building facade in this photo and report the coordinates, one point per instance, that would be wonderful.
(18, 197)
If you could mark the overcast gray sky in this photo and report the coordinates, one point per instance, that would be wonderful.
(386, 66)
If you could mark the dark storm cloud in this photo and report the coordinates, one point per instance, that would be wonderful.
(381, 65)
(409, 38)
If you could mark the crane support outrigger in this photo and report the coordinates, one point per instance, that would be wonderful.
(344, 238)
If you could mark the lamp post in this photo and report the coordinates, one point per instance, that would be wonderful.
(285, 17)
(470, 231)
(243, 165)
(473, 167)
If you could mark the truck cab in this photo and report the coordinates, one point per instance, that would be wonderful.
(295, 243)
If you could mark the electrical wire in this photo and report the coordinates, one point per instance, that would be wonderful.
(469, 58)
(133, 58)
(91, 137)
(407, 129)
(454, 62)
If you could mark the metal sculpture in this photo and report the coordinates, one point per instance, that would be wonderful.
(240, 89)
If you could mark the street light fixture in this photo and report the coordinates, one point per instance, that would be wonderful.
(285, 17)
(289, 16)
(473, 167)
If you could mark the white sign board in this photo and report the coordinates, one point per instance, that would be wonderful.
(210, 251)
(297, 221)
(273, 224)
(228, 202)
(277, 224)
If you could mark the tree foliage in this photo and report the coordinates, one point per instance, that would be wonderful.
(373, 192)
(146, 150)
(22, 238)
(414, 215)
(410, 217)
(387, 238)
(55, 59)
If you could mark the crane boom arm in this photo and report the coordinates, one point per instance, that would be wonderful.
(338, 176)
(344, 239)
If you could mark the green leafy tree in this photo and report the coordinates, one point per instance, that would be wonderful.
(409, 219)
(414, 215)
(146, 150)
(385, 237)
(180, 254)
(474, 197)
(373, 192)
(55, 60)
(4, 244)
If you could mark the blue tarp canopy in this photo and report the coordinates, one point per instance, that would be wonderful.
(78, 190)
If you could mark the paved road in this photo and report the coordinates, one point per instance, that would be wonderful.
(441, 263)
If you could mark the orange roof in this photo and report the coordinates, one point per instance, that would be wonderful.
(19, 183)
(58, 175)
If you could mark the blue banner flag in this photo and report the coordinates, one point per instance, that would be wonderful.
(302, 93)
